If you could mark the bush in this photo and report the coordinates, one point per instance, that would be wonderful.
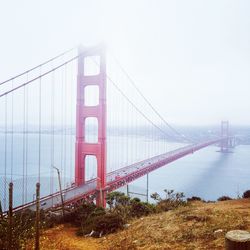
(128, 207)
(224, 198)
(116, 199)
(3, 234)
(194, 198)
(246, 194)
(138, 208)
(108, 223)
(155, 196)
(95, 221)
(23, 228)
(172, 200)
(82, 212)
(101, 225)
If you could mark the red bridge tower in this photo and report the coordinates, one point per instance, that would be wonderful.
(83, 111)
(224, 133)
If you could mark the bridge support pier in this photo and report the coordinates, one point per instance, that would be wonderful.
(101, 197)
(84, 111)
(232, 142)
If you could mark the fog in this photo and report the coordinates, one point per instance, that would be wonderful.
(191, 59)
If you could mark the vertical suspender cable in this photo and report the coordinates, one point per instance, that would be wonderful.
(148, 138)
(151, 139)
(36, 67)
(114, 134)
(62, 117)
(23, 179)
(5, 155)
(150, 105)
(52, 132)
(120, 134)
(132, 135)
(27, 141)
(12, 127)
(71, 125)
(136, 138)
(159, 142)
(40, 117)
(116, 156)
(65, 122)
(127, 135)
(112, 131)
(114, 137)
(109, 129)
(154, 142)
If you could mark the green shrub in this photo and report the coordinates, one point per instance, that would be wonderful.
(108, 223)
(138, 208)
(128, 207)
(171, 201)
(81, 212)
(101, 225)
(246, 194)
(194, 198)
(224, 198)
(116, 199)
(119, 204)
(23, 228)
(3, 234)
(155, 196)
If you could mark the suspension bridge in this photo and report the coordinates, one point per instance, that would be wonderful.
(82, 113)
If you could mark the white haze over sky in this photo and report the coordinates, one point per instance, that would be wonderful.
(190, 58)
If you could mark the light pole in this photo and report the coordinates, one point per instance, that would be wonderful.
(60, 187)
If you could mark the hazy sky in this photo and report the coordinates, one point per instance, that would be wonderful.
(190, 58)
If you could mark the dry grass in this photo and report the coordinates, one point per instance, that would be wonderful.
(190, 227)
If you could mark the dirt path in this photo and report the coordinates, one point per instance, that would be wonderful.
(64, 237)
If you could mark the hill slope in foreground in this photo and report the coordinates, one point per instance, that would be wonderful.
(196, 226)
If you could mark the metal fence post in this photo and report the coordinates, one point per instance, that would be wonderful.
(37, 216)
(1, 211)
(237, 239)
(10, 216)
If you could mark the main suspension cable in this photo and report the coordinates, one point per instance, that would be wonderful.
(48, 72)
(138, 110)
(135, 107)
(38, 66)
(38, 77)
(147, 101)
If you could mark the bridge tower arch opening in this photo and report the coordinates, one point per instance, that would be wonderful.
(87, 80)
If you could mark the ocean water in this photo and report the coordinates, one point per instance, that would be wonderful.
(206, 173)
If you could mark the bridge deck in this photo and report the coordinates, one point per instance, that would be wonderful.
(118, 178)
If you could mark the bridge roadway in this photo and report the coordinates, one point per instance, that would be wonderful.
(117, 178)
